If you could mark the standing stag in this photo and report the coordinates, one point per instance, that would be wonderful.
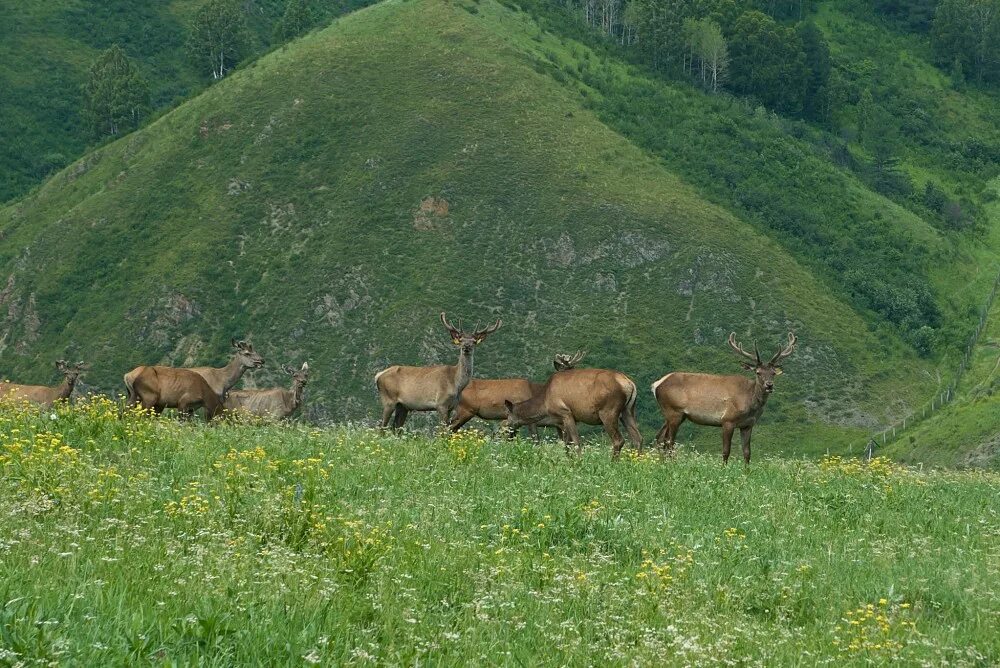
(403, 389)
(730, 402)
(484, 398)
(160, 387)
(44, 395)
(591, 396)
(276, 402)
(221, 379)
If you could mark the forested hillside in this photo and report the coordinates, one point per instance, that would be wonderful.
(48, 47)
(587, 172)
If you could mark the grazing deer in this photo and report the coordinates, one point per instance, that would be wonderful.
(484, 398)
(44, 395)
(591, 396)
(160, 387)
(221, 379)
(276, 402)
(427, 388)
(730, 402)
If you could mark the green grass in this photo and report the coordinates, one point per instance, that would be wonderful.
(140, 540)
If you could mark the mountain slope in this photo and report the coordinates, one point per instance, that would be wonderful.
(330, 199)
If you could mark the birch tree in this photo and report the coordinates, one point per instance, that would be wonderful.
(219, 36)
(116, 95)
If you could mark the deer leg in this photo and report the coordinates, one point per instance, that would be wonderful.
(570, 434)
(533, 432)
(670, 426)
(386, 415)
(745, 435)
(727, 440)
(461, 417)
(610, 423)
(444, 415)
(401, 413)
(632, 427)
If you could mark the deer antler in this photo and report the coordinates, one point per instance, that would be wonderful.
(451, 328)
(786, 351)
(563, 361)
(483, 333)
(755, 358)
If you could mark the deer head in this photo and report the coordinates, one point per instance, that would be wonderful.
(71, 371)
(766, 372)
(468, 340)
(562, 362)
(299, 376)
(249, 358)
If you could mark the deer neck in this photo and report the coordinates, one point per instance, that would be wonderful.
(759, 396)
(463, 371)
(297, 390)
(232, 372)
(65, 388)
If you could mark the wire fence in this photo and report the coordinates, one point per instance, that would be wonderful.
(944, 396)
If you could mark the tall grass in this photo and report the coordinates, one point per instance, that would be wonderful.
(138, 539)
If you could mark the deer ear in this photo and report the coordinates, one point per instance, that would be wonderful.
(305, 366)
(287, 369)
(748, 366)
(457, 341)
(236, 344)
(778, 371)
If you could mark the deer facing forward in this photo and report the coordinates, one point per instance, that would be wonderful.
(43, 395)
(403, 389)
(730, 402)
(275, 402)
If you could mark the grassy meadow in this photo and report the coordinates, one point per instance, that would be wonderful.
(142, 540)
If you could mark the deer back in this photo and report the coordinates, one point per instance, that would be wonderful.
(272, 402)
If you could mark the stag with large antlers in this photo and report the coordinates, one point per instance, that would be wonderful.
(730, 402)
(590, 396)
(43, 395)
(219, 379)
(484, 398)
(275, 402)
(403, 389)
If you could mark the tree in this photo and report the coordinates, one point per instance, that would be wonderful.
(298, 18)
(219, 36)
(865, 110)
(767, 61)
(115, 94)
(817, 58)
(969, 31)
(917, 15)
(713, 53)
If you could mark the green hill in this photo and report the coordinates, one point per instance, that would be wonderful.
(47, 47)
(331, 198)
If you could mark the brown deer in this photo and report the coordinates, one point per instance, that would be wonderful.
(276, 402)
(591, 396)
(484, 398)
(44, 395)
(730, 402)
(221, 379)
(160, 387)
(430, 388)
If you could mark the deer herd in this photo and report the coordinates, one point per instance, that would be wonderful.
(571, 395)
